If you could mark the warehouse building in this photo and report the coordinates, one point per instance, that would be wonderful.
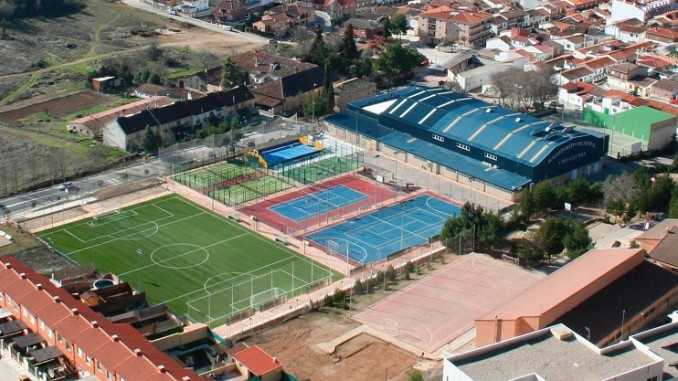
(487, 147)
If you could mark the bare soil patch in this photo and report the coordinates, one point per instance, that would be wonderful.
(363, 357)
(58, 107)
(29, 250)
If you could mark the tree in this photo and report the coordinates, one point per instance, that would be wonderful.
(154, 79)
(329, 95)
(526, 206)
(387, 31)
(398, 24)
(318, 51)
(544, 197)
(549, 237)
(6, 11)
(415, 375)
(396, 61)
(347, 48)
(151, 140)
(230, 75)
(492, 231)
(673, 208)
(577, 241)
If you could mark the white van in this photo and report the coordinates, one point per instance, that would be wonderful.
(228, 28)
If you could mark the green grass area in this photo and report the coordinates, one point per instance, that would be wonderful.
(249, 190)
(314, 172)
(215, 174)
(195, 261)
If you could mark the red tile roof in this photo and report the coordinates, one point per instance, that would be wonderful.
(114, 355)
(257, 361)
(628, 98)
(663, 106)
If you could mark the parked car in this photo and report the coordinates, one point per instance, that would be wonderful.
(228, 28)
(273, 42)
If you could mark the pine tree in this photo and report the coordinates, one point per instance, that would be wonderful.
(318, 50)
(348, 50)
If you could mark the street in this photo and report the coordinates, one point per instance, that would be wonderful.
(202, 24)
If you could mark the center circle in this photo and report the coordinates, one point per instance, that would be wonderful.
(180, 256)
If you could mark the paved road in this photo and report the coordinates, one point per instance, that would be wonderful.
(262, 130)
(213, 27)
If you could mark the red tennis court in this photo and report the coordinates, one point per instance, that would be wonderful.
(372, 194)
(442, 307)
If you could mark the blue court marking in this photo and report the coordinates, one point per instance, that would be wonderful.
(373, 237)
(317, 203)
(285, 153)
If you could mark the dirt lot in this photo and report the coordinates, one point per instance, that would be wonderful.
(361, 358)
(30, 251)
(57, 107)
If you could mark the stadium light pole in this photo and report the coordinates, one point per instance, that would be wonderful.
(140, 251)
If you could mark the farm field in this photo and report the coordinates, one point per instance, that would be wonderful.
(197, 262)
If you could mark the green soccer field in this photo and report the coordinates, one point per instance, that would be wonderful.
(197, 262)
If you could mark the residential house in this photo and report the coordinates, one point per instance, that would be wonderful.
(173, 121)
(367, 29)
(664, 90)
(579, 74)
(537, 16)
(230, 11)
(508, 19)
(573, 95)
(501, 43)
(445, 24)
(352, 90)
(661, 35)
(282, 19)
(78, 338)
(93, 125)
(620, 75)
(581, 5)
(194, 8)
(666, 20)
(629, 30)
(278, 83)
(576, 42)
(641, 10)
(337, 7)
(206, 81)
(613, 102)
(598, 66)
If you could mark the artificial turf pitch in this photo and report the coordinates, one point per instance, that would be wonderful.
(178, 252)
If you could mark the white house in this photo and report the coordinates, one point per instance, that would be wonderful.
(641, 10)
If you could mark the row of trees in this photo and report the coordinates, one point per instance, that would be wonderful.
(640, 192)
(544, 197)
(523, 90)
(554, 235)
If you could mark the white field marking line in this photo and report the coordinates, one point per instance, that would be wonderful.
(354, 240)
(181, 255)
(115, 239)
(295, 277)
(226, 281)
(206, 286)
(108, 235)
(257, 236)
(434, 209)
(157, 228)
(73, 235)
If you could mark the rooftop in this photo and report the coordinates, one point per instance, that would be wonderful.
(257, 361)
(566, 282)
(554, 354)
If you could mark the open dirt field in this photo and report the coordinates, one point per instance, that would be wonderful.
(58, 107)
(295, 344)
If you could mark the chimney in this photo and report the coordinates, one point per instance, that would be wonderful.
(8, 265)
(186, 378)
(75, 311)
(115, 338)
(137, 352)
(57, 299)
(22, 275)
(39, 286)
(95, 324)
(162, 369)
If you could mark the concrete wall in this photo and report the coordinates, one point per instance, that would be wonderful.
(661, 134)
(191, 333)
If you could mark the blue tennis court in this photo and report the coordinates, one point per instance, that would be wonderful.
(288, 152)
(317, 203)
(375, 236)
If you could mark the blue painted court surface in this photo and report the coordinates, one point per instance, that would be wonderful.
(317, 203)
(375, 236)
(285, 153)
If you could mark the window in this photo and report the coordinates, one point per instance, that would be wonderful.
(463, 146)
(50, 333)
(79, 352)
(88, 360)
(42, 325)
(109, 375)
(490, 156)
(99, 367)
(60, 339)
(68, 346)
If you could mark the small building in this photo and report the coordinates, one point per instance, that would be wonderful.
(106, 84)
(660, 242)
(352, 90)
(652, 128)
(148, 90)
(664, 90)
(254, 363)
(230, 11)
